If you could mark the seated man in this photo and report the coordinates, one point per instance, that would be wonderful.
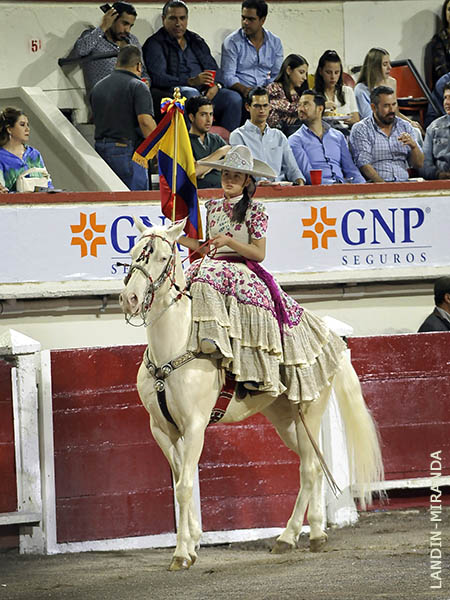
(204, 144)
(383, 145)
(177, 57)
(438, 96)
(251, 55)
(112, 34)
(122, 108)
(439, 319)
(266, 144)
(436, 144)
(316, 145)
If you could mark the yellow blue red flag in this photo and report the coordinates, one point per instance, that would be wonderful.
(162, 141)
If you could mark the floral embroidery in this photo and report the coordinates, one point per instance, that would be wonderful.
(235, 278)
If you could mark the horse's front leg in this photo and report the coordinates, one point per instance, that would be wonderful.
(195, 530)
(185, 554)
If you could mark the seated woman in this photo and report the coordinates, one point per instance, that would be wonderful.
(240, 314)
(284, 92)
(328, 81)
(375, 72)
(440, 46)
(15, 155)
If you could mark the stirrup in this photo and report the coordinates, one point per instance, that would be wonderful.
(254, 386)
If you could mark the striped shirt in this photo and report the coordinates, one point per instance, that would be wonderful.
(371, 146)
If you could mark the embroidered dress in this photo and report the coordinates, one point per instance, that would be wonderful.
(262, 333)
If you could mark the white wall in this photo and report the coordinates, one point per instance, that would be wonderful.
(403, 28)
(349, 27)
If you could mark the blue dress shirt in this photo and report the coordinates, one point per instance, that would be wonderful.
(242, 63)
(371, 146)
(330, 154)
(271, 146)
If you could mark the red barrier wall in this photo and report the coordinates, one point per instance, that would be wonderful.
(111, 478)
(8, 488)
(406, 384)
(113, 481)
(248, 478)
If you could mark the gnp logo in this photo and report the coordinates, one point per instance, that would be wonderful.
(89, 241)
(374, 236)
(119, 236)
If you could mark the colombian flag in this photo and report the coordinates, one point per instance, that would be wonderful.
(162, 140)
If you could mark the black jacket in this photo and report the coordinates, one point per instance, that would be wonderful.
(434, 322)
(161, 57)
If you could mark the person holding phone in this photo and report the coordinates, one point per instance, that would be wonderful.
(113, 33)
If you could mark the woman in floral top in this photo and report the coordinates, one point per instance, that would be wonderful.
(240, 314)
(284, 92)
(15, 155)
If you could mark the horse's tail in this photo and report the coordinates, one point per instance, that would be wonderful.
(363, 446)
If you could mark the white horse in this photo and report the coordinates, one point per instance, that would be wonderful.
(154, 290)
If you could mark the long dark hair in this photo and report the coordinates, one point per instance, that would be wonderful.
(293, 61)
(8, 118)
(444, 15)
(319, 83)
(240, 208)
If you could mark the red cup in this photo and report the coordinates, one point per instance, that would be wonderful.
(213, 75)
(316, 176)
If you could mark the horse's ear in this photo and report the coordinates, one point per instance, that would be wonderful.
(176, 230)
(139, 224)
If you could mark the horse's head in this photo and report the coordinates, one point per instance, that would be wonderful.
(154, 263)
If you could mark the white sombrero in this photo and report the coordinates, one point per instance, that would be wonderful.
(239, 158)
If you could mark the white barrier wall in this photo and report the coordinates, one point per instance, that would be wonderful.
(36, 34)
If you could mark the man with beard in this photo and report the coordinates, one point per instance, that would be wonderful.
(112, 34)
(316, 145)
(384, 146)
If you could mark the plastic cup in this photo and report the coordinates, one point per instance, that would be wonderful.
(213, 75)
(316, 176)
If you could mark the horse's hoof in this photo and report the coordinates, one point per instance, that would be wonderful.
(193, 558)
(281, 547)
(179, 564)
(317, 544)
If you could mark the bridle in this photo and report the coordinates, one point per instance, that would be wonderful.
(152, 285)
(167, 273)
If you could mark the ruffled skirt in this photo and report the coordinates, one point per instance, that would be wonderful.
(233, 307)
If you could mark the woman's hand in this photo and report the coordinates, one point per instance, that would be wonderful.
(221, 240)
(330, 105)
(255, 250)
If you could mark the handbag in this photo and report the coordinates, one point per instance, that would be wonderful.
(30, 179)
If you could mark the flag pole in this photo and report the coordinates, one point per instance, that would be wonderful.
(176, 98)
